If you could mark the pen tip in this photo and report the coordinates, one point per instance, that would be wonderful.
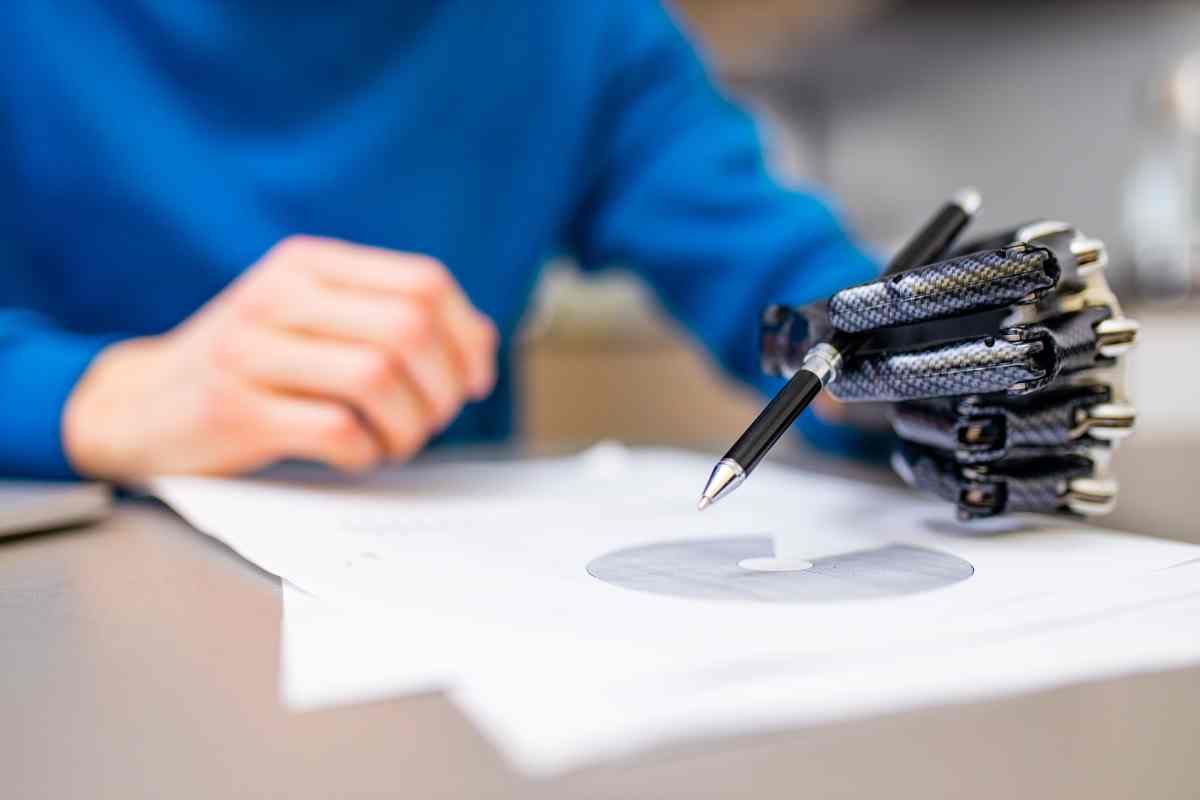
(725, 478)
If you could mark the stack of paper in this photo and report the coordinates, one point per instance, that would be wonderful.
(475, 578)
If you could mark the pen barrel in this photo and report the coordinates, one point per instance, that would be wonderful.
(933, 240)
(775, 419)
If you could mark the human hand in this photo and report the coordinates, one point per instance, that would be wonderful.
(323, 350)
(1003, 363)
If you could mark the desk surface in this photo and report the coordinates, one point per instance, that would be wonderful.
(140, 659)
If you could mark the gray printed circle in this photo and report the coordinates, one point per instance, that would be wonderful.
(712, 569)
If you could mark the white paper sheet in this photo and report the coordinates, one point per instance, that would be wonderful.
(582, 704)
(481, 572)
(505, 546)
(556, 723)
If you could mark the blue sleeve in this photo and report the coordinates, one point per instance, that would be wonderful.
(681, 194)
(39, 365)
(40, 361)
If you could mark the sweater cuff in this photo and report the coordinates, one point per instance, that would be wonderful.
(38, 370)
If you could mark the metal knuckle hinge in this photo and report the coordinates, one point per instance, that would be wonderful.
(1091, 496)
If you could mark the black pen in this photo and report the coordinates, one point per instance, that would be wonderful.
(823, 359)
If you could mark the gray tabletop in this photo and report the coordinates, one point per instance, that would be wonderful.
(140, 659)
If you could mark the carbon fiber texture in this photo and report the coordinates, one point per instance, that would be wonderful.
(935, 423)
(982, 365)
(955, 287)
(1033, 485)
(1074, 339)
(1013, 427)
(975, 366)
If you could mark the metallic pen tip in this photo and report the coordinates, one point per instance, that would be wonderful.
(968, 199)
(724, 479)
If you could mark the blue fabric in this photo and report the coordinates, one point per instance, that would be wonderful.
(150, 151)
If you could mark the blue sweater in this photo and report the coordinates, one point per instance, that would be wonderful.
(150, 151)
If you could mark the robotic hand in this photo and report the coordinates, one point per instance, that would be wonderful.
(1002, 360)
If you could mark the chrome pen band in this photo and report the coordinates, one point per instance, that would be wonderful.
(823, 361)
(739, 474)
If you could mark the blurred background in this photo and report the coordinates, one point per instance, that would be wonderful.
(1087, 112)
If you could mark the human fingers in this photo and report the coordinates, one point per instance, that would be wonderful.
(475, 341)
(404, 329)
(362, 377)
(316, 430)
(471, 337)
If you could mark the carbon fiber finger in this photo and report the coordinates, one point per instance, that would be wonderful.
(1042, 485)
(1022, 359)
(979, 430)
(974, 366)
(958, 286)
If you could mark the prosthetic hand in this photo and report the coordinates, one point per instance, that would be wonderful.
(1003, 361)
